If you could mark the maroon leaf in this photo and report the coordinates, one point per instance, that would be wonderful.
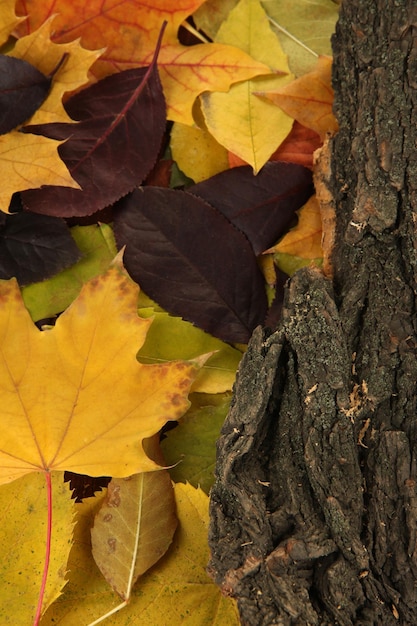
(191, 260)
(34, 247)
(261, 206)
(111, 149)
(22, 90)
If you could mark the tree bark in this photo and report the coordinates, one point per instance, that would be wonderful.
(314, 508)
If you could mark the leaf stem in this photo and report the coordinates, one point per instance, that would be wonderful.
(47, 549)
(137, 537)
(112, 612)
(288, 34)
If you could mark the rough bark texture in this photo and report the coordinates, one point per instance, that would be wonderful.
(314, 509)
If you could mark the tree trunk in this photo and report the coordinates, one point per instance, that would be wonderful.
(314, 509)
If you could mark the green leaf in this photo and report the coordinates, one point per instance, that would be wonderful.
(50, 297)
(289, 263)
(170, 338)
(193, 441)
(310, 21)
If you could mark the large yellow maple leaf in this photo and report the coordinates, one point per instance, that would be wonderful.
(74, 397)
(129, 30)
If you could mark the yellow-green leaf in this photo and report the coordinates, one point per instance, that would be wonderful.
(49, 297)
(211, 15)
(133, 528)
(74, 397)
(311, 21)
(190, 447)
(23, 530)
(245, 124)
(173, 338)
(30, 161)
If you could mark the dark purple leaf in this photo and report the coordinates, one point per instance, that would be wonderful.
(23, 88)
(83, 486)
(112, 148)
(34, 247)
(191, 260)
(261, 206)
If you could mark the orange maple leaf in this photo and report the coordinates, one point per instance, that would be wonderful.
(129, 31)
(309, 99)
(74, 397)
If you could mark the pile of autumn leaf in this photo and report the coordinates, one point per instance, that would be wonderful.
(100, 171)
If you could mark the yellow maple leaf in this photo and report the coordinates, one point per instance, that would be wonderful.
(246, 125)
(38, 50)
(309, 99)
(74, 397)
(8, 19)
(129, 30)
(30, 161)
